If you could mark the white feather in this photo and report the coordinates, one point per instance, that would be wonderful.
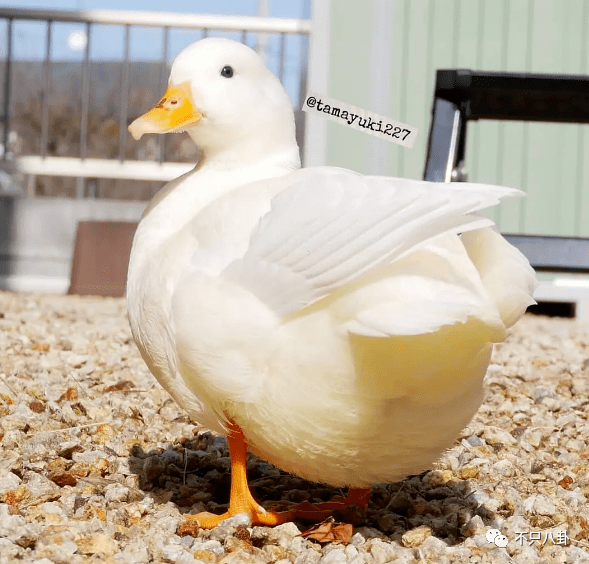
(329, 226)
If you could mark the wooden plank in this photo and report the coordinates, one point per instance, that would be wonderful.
(471, 57)
(101, 258)
(482, 158)
(543, 162)
(582, 183)
(511, 137)
(436, 28)
(418, 98)
(567, 141)
(349, 80)
(399, 93)
(582, 172)
(469, 38)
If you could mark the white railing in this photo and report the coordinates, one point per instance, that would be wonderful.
(163, 19)
(82, 166)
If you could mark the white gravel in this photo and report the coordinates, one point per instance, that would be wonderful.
(98, 464)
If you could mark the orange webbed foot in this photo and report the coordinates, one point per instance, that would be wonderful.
(246, 510)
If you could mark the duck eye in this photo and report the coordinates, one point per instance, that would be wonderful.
(227, 71)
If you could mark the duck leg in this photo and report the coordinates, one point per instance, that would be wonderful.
(241, 500)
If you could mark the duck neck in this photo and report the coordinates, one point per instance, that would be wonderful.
(180, 200)
(225, 156)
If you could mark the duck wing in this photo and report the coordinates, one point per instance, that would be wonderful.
(330, 227)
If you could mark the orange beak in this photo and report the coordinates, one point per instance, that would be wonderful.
(174, 112)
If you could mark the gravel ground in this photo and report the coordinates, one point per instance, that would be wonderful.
(98, 464)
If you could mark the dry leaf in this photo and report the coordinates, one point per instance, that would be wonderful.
(71, 394)
(37, 406)
(330, 531)
(123, 386)
(566, 482)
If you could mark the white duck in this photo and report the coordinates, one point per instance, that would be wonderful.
(334, 324)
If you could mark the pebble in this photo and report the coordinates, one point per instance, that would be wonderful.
(474, 440)
(8, 481)
(10, 524)
(116, 493)
(308, 557)
(504, 468)
(381, 551)
(495, 435)
(98, 464)
(415, 537)
(474, 525)
(433, 548)
(212, 546)
(336, 556)
(9, 550)
(539, 505)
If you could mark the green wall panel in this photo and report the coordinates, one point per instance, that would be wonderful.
(398, 102)
(550, 162)
(350, 44)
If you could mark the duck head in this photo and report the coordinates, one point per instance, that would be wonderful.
(231, 105)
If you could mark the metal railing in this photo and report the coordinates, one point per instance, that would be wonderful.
(84, 165)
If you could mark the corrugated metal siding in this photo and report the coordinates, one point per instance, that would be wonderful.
(550, 162)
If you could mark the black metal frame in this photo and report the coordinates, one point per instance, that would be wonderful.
(463, 95)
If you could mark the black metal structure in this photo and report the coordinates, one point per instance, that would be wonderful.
(463, 95)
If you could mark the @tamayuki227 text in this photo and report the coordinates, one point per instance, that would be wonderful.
(358, 118)
(367, 123)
